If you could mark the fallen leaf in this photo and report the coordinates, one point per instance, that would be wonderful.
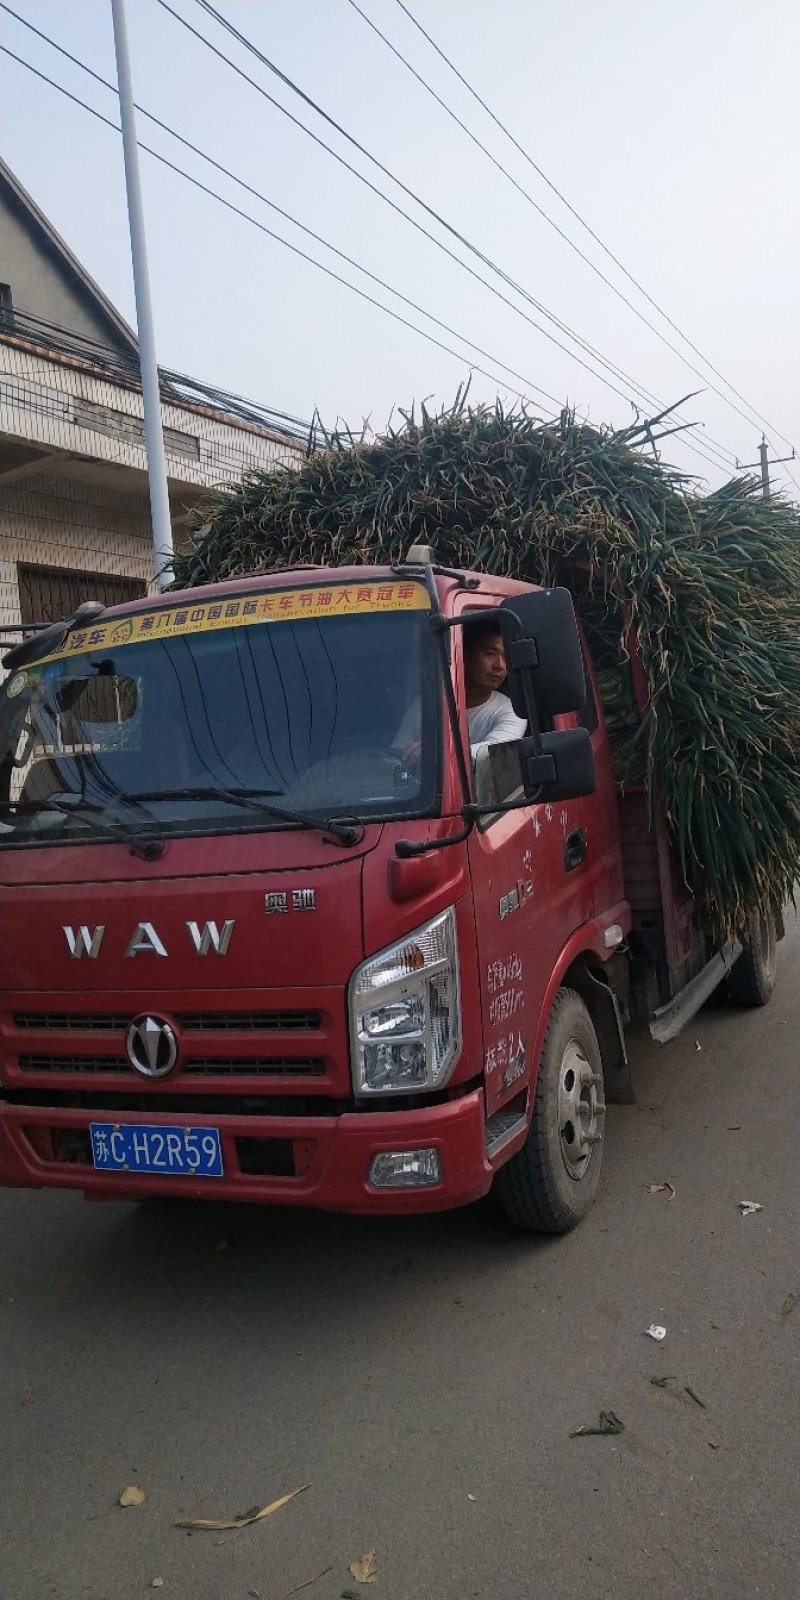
(655, 1332)
(661, 1383)
(697, 1044)
(790, 1302)
(156, 1583)
(472, 1497)
(365, 1570)
(219, 1524)
(308, 1583)
(695, 1397)
(661, 1188)
(749, 1207)
(134, 1496)
(609, 1424)
(712, 1445)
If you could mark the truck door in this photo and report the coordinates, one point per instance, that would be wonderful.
(538, 874)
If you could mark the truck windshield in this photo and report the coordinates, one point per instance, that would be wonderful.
(324, 710)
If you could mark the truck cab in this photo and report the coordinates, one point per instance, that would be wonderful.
(266, 936)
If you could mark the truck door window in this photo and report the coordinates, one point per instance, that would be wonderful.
(495, 763)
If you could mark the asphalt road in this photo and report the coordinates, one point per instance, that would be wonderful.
(425, 1376)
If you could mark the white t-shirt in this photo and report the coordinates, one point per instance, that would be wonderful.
(494, 721)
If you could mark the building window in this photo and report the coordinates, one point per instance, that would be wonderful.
(48, 594)
(6, 306)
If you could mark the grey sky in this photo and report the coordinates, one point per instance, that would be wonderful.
(672, 127)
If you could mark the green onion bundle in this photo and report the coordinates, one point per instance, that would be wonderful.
(710, 584)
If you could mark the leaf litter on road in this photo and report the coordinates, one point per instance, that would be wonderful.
(134, 1495)
(218, 1524)
(365, 1570)
(671, 1377)
(661, 1188)
(790, 1302)
(609, 1424)
(307, 1585)
(695, 1397)
(749, 1208)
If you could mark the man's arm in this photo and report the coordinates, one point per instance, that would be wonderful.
(505, 726)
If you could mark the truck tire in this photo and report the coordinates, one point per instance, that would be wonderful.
(551, 1183)
(752, 977)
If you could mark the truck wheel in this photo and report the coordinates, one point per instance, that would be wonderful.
(752, 977)
(551, 1183)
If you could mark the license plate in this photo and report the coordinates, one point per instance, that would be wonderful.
(149, 1147)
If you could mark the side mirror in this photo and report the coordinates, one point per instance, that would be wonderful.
(549, 649)
(50, 639)
(564, 768)
(39, 644)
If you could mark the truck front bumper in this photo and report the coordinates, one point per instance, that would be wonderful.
(323, 1162)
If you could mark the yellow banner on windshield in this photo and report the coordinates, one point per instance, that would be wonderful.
(273, 605)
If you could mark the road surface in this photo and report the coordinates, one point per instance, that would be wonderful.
(424, 1377)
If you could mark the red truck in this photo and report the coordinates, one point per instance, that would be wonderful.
(266, 935)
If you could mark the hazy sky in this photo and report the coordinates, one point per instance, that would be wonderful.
(672, 127)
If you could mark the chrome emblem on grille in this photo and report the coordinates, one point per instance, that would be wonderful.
(152, 1046)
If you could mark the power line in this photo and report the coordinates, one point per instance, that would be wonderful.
(534, 203)
(607, 250)
(709, 440)
(781, 461)
(487, 261)
(26, 326)
(270, 233)
(245, 215)
(530, 385)
(384, 197)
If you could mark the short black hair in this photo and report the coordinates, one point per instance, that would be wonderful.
(483, 626)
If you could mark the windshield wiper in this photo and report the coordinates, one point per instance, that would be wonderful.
(148, 844)
(345, 830)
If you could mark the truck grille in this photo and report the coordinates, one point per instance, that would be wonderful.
(73, 1064)
(300, 1046)
(228, 1066)
(190, 1021)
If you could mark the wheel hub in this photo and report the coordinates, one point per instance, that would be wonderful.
(581, 1109)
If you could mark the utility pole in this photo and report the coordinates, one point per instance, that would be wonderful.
(763, 463)
(153, 429)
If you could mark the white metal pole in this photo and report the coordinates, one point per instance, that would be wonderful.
(153, 430)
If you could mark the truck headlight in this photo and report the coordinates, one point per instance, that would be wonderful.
(405, 1014)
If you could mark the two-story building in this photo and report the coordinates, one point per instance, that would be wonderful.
(74, 502)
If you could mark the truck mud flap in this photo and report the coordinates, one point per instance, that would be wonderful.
(608, 1025)
(670, 1019)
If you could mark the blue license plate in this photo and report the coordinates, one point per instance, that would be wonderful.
(150, 1147)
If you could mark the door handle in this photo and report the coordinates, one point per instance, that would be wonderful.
(574, 849)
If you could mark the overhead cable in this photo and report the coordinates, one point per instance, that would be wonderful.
(531, 387)
(502, 383)
(584, 224)
(528, 197)
(245, 215)
(431, 211)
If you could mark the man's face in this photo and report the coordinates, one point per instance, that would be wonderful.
(486, 665)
